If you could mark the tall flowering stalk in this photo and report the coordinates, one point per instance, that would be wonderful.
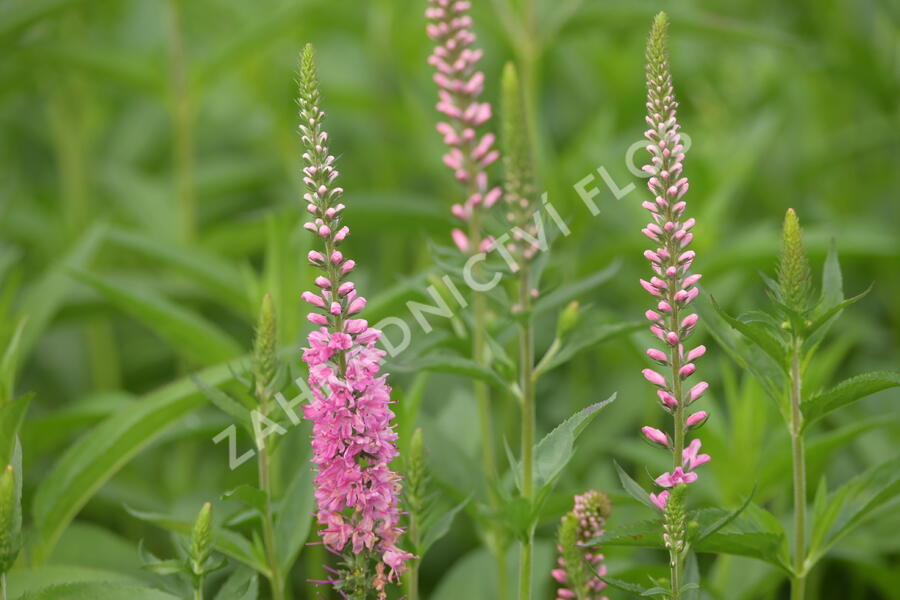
(519, 195)
(580, 563)
(673, 289)
(353, 438)
(460, 85)
(470, 152)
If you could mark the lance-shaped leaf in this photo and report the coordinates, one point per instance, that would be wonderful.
(846, 392)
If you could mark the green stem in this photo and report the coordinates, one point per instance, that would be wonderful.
(798, 581)
(526, 381)
(525, 568)
(485, 419)
(268, 526)
(412, 581)
(198, 592)
(2, 586)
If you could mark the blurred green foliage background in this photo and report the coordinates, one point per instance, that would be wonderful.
(149, 196)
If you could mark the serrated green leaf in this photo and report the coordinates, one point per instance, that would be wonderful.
(845, 393)
(718, 524)
(625, 586)
(555, 450)
(758, 334)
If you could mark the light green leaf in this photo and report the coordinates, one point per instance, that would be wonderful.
(832, 280)
(438, 528)
(554, 452)
(184, 329)
(97, 456)
(846, 392)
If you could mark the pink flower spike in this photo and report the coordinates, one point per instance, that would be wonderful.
(654, 377)
(660, 500)
(656, 436)
(696, 420)
(461, 240)
(698, 390)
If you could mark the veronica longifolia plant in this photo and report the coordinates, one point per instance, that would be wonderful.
(353, 443)
(789, 336)
(673, 289)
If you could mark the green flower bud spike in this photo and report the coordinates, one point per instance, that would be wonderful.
(794, 280)
(264, 349)
(10, 521)
(201, 540)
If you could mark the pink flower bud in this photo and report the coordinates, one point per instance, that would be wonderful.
(313, 299)
(317, 318)
(357, 305)
(696, 419)
(698, 390)
(656, 436)
(667, 399)
(657, 355)
(696, 353)
(654, 377)
(461, 240)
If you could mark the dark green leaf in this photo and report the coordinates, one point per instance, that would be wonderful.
(758, 334)
(12, 414)
(634, 489)
(572, 291)
(439, 527)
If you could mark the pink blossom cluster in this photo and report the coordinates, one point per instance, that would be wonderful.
(673, 286)
(459, 86)
(591, 510)
(357, 493)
